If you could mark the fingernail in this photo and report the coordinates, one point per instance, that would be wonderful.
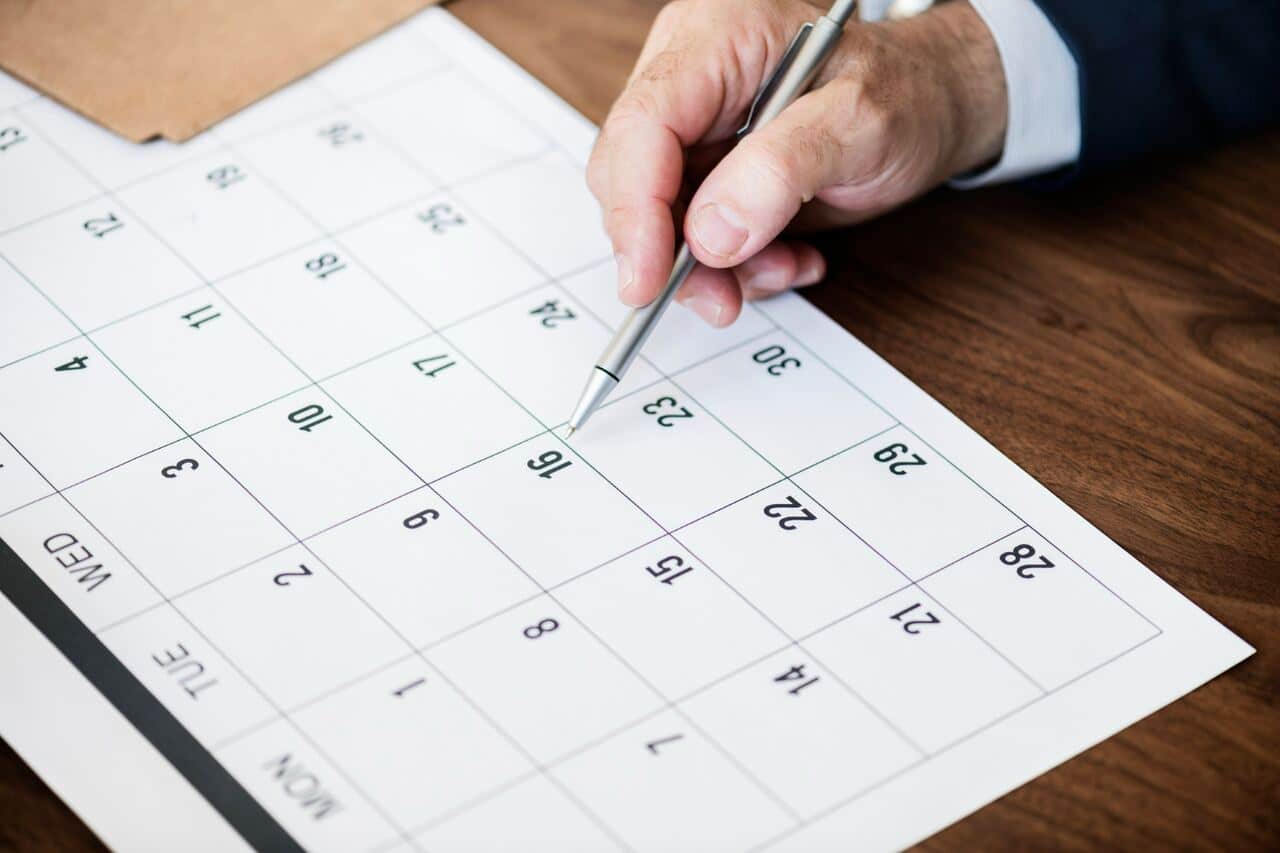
(708, 309)
(626, 278)
(810, 275)
(719, 229)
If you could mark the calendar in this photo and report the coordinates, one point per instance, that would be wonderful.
(297, 553)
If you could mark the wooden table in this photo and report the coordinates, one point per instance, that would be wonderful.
(1121, 342)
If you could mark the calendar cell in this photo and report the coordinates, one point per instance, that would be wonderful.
(565, 339)
(108, 157)
(189, 676)
(672, 457)
(800, 731)
(307, 302)
(423, 567)
(313, 800)
(441, 260)
(117, 267)
(20, 484)
(72, 414)
(433, 408)
(668, 767)
(907, 657)
(283, 107)
(777, 546)
(547, 509)
(396, 56)
(29, 323)
(409, 724)
(482, 133)
(1044, 612)
(544, 206)
(36, 177)
(908, 502)
(757, 389)
(544, 679)
(186, 521)
(218, 214)
(308, 461)
(533, 817)
(276, 620)
(336, 167)
(199, 360)
(681, 340)
(76, 562)
(654, 606)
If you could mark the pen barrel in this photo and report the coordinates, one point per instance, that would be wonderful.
(804, 59)
(635, 330)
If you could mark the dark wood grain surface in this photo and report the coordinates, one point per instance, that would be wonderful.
(1119, 341)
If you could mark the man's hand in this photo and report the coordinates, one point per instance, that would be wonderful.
(899, 108)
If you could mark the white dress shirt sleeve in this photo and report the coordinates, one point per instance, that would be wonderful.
(1043, 131)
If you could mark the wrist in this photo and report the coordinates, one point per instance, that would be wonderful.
(976, 92)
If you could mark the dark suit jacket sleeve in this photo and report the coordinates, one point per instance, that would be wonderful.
(1162, 76)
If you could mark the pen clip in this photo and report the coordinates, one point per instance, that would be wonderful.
(766, 91)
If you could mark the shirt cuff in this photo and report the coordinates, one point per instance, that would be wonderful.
(1044, 93)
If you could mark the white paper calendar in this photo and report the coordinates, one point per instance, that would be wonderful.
(301, 557)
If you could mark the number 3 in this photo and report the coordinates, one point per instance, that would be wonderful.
(171, 471)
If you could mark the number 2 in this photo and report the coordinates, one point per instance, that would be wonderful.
(1025, 552)
(171, 471)
(912, 626)
(788, 522)
(9, 137)
(892, 454)
(667, 418)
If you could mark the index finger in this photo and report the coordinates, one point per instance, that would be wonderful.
(672, 100)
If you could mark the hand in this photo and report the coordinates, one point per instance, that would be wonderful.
(899, 107)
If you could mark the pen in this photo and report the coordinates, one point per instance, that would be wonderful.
(793, 76)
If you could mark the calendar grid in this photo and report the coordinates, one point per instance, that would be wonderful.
(165, 599)
(1026, 524)
(672, 701)
(389, 624)
(903, 771)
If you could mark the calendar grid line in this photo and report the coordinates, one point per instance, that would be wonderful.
(964, 557)
(949, 746)
(190, 624)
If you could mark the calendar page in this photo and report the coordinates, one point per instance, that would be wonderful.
(298, 555)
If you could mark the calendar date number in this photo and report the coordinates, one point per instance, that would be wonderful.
(789, 513)
(549, 464)
(913, 619)
(899, 458)
(11, 136)
(667, 411)
(775, 359)
(1023, 556)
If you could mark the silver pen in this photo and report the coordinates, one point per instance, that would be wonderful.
(793, 76)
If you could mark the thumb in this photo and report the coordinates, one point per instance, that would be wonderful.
(756, 190)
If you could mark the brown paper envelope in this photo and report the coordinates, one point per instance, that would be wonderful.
(171, 68)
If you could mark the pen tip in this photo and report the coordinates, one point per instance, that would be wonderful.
(570, 433)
